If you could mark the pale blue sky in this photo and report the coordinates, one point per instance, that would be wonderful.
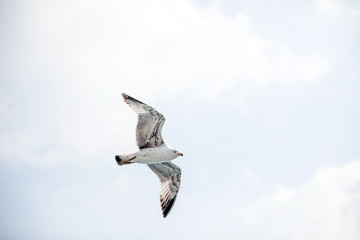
(263, 98)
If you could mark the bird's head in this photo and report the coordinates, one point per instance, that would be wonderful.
(177, 153)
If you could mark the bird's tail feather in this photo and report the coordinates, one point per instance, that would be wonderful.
(124, 159)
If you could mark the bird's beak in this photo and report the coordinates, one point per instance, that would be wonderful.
(180, 154)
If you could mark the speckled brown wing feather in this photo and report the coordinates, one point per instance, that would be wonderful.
(150, 123)
(170, 177)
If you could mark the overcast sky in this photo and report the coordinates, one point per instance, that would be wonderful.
(262, 97)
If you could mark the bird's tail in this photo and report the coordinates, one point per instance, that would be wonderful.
(124, 159)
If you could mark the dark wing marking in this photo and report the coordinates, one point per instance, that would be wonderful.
(169, 175)
(150, 123)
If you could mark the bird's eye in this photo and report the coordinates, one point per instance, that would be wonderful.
(174, 151)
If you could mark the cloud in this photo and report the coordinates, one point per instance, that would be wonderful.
(326, 207)
(336, 8)
(169, 44)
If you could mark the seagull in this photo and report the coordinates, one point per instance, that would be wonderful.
(154, 152)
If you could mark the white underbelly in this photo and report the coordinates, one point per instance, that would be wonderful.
(152, 155)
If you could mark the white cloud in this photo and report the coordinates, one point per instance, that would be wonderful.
(335, 8)
(327, 207)
(162, 43)
(331, 7)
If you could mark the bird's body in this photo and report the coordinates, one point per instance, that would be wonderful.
(149, 156)
(154, 152)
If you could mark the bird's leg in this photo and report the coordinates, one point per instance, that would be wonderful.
(128, 161)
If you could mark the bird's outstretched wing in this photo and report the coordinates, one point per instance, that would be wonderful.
(150, 123)
(169, 175)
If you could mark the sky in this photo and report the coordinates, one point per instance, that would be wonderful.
(262, 97)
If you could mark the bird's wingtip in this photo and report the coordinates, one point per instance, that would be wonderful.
(167, 206)
(125, 96)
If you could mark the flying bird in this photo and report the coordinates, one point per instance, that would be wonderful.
(154, 152)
